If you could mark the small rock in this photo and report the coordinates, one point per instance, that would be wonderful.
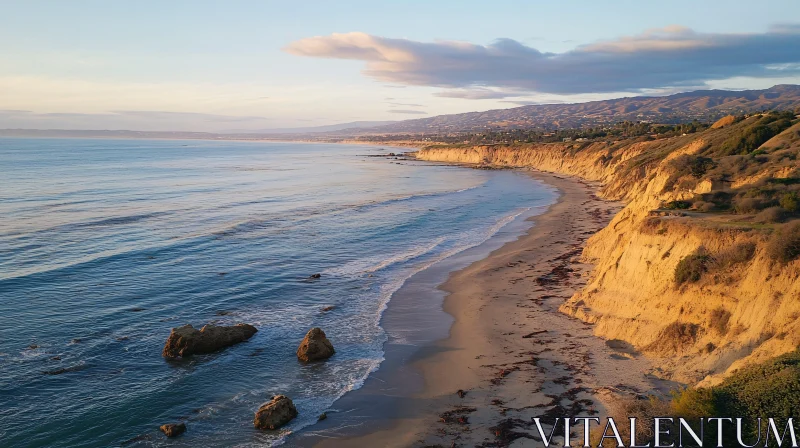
(275, 414)
(33, 347)
(173, 429)
(75, 341)
(186, 340)
(325, 309)
(315, 276)
(322, 416)
(315, 346)
(223, 312)
(461, 393)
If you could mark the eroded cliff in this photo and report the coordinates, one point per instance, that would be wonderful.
(684, 272)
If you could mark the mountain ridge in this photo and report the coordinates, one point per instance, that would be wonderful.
(703, 105)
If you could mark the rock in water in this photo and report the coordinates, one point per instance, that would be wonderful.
(276, 413)
(315, 346)
(173, 429)
(186, 340)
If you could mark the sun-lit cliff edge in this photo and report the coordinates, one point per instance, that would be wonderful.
(687, 272)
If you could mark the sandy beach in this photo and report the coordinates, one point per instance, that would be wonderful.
(510, 355)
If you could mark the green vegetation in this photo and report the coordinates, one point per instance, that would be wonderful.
(736, 152)
(751, 137)
(696, 166)
(789, 201)
(771, 389)
(691, 268)
(619, 131)
(678, 205)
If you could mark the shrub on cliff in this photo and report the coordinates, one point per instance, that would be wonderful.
(688, 165)
(769, 389)
(691, 268)
(784, 245)
(790, 202)
(703, 206)
(771, 215)
(732, 255)
(719, 320)
(747, 205)
(678, 205)
(692, 403)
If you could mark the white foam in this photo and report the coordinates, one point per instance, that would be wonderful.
(373, 264)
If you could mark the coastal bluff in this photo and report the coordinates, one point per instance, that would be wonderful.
(739, 310)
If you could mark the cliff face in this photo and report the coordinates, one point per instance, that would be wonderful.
(744, 308)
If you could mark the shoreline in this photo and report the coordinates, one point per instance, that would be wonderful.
(413, 321)
(509, 349)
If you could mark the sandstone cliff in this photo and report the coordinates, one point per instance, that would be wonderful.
(742, 306)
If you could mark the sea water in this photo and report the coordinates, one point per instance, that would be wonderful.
(105, 245)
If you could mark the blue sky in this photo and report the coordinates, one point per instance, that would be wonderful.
(202, 65)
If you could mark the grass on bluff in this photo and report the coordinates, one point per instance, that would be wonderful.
(753, 149)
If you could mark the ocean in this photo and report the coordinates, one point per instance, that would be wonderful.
(105, 245)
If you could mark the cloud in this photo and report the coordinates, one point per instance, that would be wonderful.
(478, 93)
(407, 111)
(668, 57)
(164, 115)
(407, 104)
(527, 102)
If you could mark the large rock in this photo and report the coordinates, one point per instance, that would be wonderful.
(186, 340)
(173, 429)
(276, 413)
(315, 346)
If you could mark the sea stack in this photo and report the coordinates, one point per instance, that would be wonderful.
(173, 429)
(186, 340)
(276, 413)
(315, 346)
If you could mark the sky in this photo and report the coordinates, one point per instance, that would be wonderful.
(250, 65)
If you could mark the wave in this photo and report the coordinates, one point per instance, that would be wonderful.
(371, 362)
(104, 222)
(477, 239)
(413, 196)
(388, 290)
(300, 215)
(375, 264)
(100, 257)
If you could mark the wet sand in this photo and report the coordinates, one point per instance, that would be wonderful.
(509, 355)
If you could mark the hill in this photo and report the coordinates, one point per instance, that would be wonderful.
(701, 105)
